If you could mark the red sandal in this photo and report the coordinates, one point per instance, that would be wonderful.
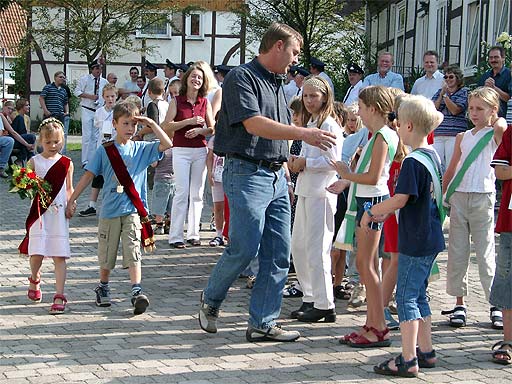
(57, 309)
(34, 294)
(361, 341)
(347, 338)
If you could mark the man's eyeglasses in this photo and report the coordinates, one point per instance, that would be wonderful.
(449, 77)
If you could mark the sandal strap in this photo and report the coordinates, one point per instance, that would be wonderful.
(34, 281)
(502, 344)
(59, 296)
(425, 355)
(404, 365)
(380, 334)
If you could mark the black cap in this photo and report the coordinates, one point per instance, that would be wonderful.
(224, 69)
(317, 63)
(303, 71)
(353, 67)
(151, 66)
(94, 63)
(183, 67)
(170, 64)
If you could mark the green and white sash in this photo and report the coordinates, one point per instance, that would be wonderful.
(473, 154)
(345, 237)
(435, 174)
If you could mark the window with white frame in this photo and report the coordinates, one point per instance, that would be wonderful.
(194, 26)
(501, 13)
(472, 33)
(160, 29)
(399, 34)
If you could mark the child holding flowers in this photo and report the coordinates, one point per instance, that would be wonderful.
(46, 225)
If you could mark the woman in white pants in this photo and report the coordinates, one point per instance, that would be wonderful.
(189, 119)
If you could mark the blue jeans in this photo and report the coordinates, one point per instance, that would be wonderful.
(25, 154)
(65, 121)
(259, 225)
(6, 145)
(411, 286)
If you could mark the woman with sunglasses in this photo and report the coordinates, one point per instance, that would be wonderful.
(452, 101)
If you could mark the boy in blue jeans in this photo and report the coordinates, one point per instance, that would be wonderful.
(119, 220)
(418, 195)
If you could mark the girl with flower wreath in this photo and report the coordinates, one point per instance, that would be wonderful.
(46, 225)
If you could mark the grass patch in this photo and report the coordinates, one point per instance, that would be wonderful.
(74, 146)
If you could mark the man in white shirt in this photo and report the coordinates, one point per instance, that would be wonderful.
(355, 78)
(150, 73)
(429, 84)
(170, 74)
(89, 90)
(317, 68)
(130, 87)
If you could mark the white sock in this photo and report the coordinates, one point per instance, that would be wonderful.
(92, 204)
(219, 233)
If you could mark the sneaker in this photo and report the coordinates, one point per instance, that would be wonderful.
(102, 296)
(358, 296)
(90, 211)
(392, 305)
(159, 229)
(208, 316)
(274, 333)
(250, 281)
(140, 302)
(391, 323)
(294, 290)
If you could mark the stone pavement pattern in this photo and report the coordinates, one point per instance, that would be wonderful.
(88, 344)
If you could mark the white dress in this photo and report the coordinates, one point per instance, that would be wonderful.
(49, 235)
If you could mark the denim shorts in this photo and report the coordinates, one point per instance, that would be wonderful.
(163, 193)
(360, 210)
(411, 286)
(501, 291)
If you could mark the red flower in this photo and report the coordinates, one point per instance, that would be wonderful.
(18, 179)
(29, 186)
(31, 175)
(23, 170)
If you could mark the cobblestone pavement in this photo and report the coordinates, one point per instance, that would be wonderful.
(88, 344)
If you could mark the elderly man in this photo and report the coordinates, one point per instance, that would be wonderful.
(384, 75)
(498, 77)
(112, 78)
(317, 68)
(432, 81)
(252, 132)
(89, 90)
(355, 78)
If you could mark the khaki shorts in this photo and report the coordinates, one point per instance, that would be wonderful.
(110, 231)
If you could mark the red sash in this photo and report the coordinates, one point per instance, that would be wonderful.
(147, 238)
(56, 176)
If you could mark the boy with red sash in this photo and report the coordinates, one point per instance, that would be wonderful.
(123, 164)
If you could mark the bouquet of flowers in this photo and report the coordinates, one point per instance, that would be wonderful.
(27, 184)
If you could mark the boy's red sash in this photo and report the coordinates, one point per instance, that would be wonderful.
(147, 238)
(56, 176)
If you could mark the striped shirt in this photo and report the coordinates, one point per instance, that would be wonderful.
(453, 124)
(55, 98)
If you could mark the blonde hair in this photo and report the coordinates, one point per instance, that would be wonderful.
(109, 87)
(134, 99)
(49, 126)
(354, 109)
(156, 86)
(321, 85)
(421, 112)
(207, 70)
(488, 95)
(401, 149)
(379, 97)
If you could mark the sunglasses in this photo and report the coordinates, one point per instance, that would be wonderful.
(449, 77)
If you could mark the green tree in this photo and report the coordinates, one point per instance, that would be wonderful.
(334, 39)
(5, 3)
(91, 27)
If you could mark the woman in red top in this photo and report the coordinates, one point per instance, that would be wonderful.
(189, 119)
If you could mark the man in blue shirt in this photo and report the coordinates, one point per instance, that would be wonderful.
(498, 77)
(252, 132)
(384, 75)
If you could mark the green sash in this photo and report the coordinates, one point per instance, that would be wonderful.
(477, 149)
(345, 237)
(429, 163)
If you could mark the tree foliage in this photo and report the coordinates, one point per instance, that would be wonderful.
(328, 36)
(5, 3)
(91, 27)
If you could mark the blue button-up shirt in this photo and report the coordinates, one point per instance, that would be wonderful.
(502, 81)
(391, 79)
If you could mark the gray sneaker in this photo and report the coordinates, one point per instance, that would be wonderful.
(358, 296)
(208, 316)
(274, 333)
(102, 296)
(140, 302)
